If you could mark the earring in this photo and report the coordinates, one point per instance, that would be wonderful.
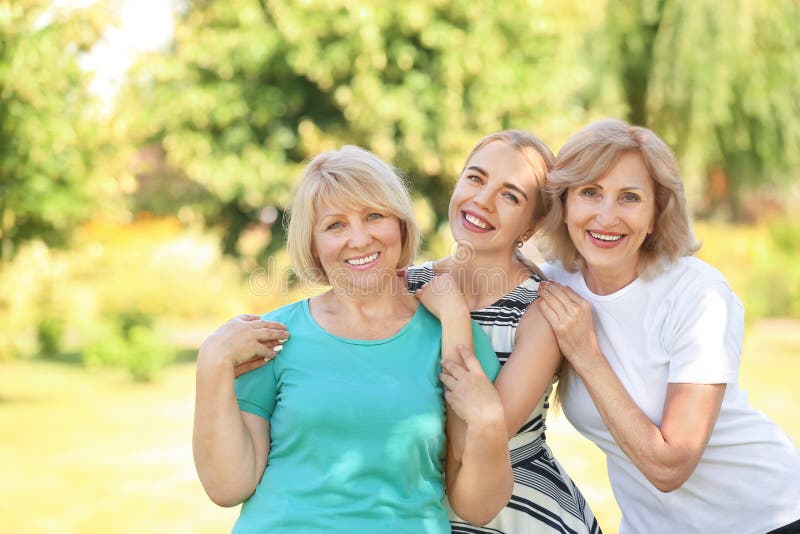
(521, 241)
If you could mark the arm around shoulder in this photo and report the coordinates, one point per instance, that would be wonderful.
(230, 447)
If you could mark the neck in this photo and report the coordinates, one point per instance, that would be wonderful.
(483, 278)
(606, 283)
(381, 301)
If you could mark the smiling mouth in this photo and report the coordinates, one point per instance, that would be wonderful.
(475, 221)
(364, 260)
(608, 238)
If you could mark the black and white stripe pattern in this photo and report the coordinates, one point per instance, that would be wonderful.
(544, 500)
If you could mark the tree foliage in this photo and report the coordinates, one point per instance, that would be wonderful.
(717, 80)
(251, 89)
(51, 149)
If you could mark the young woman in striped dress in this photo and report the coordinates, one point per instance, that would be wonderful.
(497, 205)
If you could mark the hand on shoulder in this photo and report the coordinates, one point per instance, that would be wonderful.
(243, 339)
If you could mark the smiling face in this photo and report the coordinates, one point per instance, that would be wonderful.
(608, 220)
(358, 248)
(493, 201)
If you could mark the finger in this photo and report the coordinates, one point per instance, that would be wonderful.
(270, 334)
(268, 353)
(551, 298)
(454, 367)
(448, 382)
(247, 317)
(267, 324)
(249, 365)
(468, 357)
(572, 295)
(547, 311)
(564, 294)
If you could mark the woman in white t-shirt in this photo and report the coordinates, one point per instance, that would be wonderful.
(653, 337)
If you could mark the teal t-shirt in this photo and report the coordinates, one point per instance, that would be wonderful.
(356, 429)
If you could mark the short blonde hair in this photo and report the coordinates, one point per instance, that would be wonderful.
(351, 178)
(589, 155)
(540, 158)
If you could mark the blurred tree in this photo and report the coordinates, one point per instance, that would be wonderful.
(718, 80)
(251, 89)
(51, 147)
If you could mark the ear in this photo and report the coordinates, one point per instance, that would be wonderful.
(528, 233)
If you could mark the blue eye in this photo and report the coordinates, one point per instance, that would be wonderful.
(334, 226)
(630, 197)
(475, 178)
(589, 192)
(511, 196)
(374, 216)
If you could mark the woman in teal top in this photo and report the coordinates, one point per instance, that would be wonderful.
(344, 432)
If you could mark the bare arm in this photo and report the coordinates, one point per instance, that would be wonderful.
(530, 369)
(665, 455)
(478, 469)
(230, 447)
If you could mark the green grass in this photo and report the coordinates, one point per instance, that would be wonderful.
(94, 452)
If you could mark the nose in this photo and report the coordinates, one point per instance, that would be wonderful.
(485, 199)
(359, 236)
(607, 215)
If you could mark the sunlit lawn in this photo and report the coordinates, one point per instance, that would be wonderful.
(93, 452)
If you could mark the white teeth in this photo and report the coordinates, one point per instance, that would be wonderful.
(605, 237)
(477, 222)
(362, 261)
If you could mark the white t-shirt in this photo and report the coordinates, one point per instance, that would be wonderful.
(686, 326)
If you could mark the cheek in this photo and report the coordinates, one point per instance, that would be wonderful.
(455, 198)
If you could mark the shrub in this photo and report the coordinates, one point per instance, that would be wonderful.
(50, 334)
(130, 342)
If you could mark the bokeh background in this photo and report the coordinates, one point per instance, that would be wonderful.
(147, 152)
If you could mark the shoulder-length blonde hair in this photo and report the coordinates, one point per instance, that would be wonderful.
(589, 155)
(540, 158)
(350, 178)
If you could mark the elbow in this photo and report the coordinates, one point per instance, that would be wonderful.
(225, 499)
(666, 486)
(667, 480)
(482, 510)
(477, 518)
(225, 495)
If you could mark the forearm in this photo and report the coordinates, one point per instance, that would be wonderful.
(479, 484)
(223, 448)
(666, 464)
(456, 330)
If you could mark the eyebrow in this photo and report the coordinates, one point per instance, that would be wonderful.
(623, 188)
(509, 185)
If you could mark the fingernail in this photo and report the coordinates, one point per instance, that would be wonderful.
(277, 348)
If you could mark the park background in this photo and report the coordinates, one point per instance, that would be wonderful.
(147, 152)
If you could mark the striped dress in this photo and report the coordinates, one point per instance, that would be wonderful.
(544, 500)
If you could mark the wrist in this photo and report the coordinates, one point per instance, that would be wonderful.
(586, 363)
(211, 360)
(456, 313)
(489, 425)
